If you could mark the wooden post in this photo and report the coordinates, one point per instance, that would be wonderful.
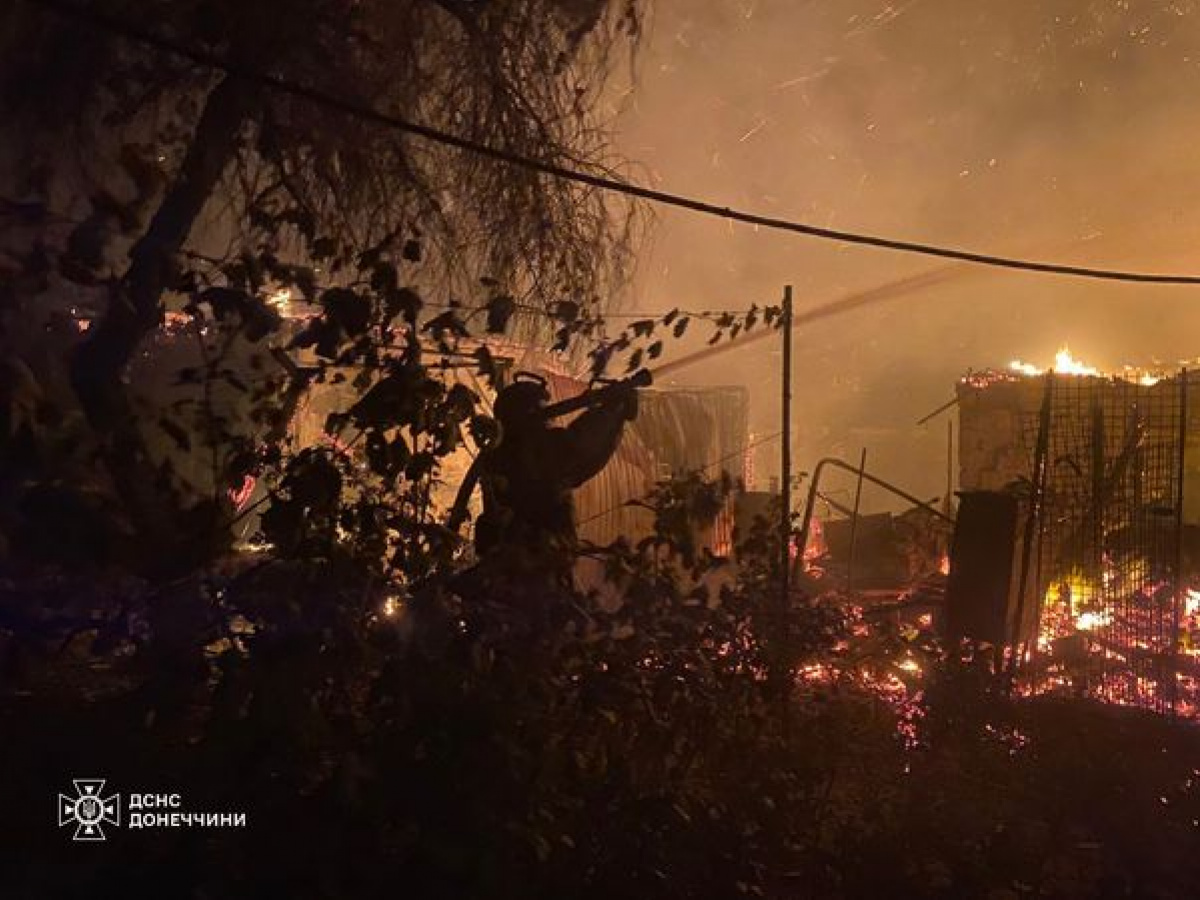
(948, 500)
(785, 467)
(1033, 523)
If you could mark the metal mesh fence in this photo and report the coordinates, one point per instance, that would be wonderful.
(1107, 457)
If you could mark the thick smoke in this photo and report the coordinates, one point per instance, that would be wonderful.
(1061, 130)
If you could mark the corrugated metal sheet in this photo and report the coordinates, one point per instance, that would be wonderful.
(675, 432)
(700, 430)
(602, 512)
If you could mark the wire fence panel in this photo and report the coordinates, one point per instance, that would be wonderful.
(1109, 529)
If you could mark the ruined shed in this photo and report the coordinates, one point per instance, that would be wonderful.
(1107, 470)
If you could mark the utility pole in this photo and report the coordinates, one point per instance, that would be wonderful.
(785, 511)
(785, 468)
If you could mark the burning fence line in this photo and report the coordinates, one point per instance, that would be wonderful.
(1066, 363)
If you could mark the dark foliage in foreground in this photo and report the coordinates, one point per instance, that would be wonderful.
(518, 741)
(477, 750)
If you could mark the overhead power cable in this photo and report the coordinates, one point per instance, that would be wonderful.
(125, 29)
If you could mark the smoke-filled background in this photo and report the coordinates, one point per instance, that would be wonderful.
(1065, 130)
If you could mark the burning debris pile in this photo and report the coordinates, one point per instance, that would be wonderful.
(1102, 468)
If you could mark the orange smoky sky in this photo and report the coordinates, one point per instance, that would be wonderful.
(1062, 131)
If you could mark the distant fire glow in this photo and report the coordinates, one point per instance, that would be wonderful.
(1066, 364)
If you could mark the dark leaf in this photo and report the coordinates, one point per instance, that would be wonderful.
(176, 433)
(483, 429)
(282, 523)
(420, 465)
(232, 379)
(404, 302)
(260, 319)
(499, 310)
(314, 481)
(562, 340)
(335, 422)
(378, 455)
(225, 301)
(351, 311)
(642, 327)
(461, 401)
(323, 248)
(565, 311)
(447, 322)
(87, 241)
(384, 277)
(306, 280)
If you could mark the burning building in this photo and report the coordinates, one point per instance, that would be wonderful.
(1102, 475)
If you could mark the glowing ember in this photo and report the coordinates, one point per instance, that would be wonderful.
(240, 495)
(1189, 632)
(280, 298)
(815, 549)
(1088, 621)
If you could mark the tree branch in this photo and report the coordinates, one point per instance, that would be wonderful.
(135, 310)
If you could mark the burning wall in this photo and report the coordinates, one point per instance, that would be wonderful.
(994, 413)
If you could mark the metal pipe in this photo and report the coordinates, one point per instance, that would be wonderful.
(814, 487)
(1034, 515)
(862, 467)
(950, 404)
(785, 503)
(785, 456)
(948, 499)
(595, 396)
(1180, 585)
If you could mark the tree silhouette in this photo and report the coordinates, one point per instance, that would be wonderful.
(154, 157)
